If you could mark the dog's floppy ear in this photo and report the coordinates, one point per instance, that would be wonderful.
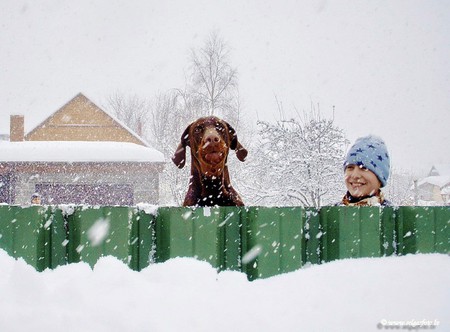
(179, 157)
(241, 152)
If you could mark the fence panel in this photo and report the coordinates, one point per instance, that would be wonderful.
(209, 234)
(423, 230)
(353, 232)
(99, 231)
(272, 241)
(34, 233)
(442, 229)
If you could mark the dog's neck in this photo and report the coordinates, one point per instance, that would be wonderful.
(213, 183)
(213, 192)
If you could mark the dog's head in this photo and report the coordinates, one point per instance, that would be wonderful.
(209, 139)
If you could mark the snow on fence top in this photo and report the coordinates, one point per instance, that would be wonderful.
(75, 151)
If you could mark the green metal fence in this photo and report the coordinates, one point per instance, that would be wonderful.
(355, 232)
(126, 233)
(272, 241)
(423, 230)
(35, 234)
(209, 234)
(259, 241)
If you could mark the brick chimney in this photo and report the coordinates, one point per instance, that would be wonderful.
(16, 128)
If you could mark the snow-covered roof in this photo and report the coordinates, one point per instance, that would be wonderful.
(439, 181)
(75, 151)
(87, 99)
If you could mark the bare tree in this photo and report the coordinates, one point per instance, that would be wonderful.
(163, 122)
(213, 77)
(132, 110)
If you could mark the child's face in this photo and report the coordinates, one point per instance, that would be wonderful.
(360, 181)
(35, 200)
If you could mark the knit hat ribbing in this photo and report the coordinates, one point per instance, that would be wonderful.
(370, 152)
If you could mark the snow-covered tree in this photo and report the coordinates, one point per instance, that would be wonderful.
(400, 187)
(297, 162)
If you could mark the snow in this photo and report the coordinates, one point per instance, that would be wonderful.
(184, 294)
(148, 208)
(252, 254)
(75, 151)
(435, 180)
(98, 232)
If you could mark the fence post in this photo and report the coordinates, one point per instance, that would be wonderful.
(56, 237)
(312, 236)
(442, 229)
(142, 238)
(388, 231)
(230, 230)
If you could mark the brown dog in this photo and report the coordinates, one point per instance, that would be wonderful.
(209, 139)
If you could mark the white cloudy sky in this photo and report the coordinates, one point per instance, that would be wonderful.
(383, 65)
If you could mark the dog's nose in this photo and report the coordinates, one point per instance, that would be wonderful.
(212, 138)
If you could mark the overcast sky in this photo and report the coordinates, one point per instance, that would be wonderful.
(383, 65)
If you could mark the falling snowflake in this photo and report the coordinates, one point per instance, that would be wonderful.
(98, 232)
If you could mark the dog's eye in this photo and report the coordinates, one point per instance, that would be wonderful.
(198, 129)
(219, 127)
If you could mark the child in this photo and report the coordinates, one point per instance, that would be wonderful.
(366, 170)
(35, 199)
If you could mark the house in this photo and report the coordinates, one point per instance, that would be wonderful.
(435, 188)
(81, 155)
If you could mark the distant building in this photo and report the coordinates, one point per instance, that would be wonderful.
(435, 188)
(80, 154)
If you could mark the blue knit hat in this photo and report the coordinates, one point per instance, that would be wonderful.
(370, 152)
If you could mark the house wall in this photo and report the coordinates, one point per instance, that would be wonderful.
(432, 193)
(436, 194)
(426, 192)
(445, 192)
(143, 179)
(81, 120)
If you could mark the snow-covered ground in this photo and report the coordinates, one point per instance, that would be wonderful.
(187, 295)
